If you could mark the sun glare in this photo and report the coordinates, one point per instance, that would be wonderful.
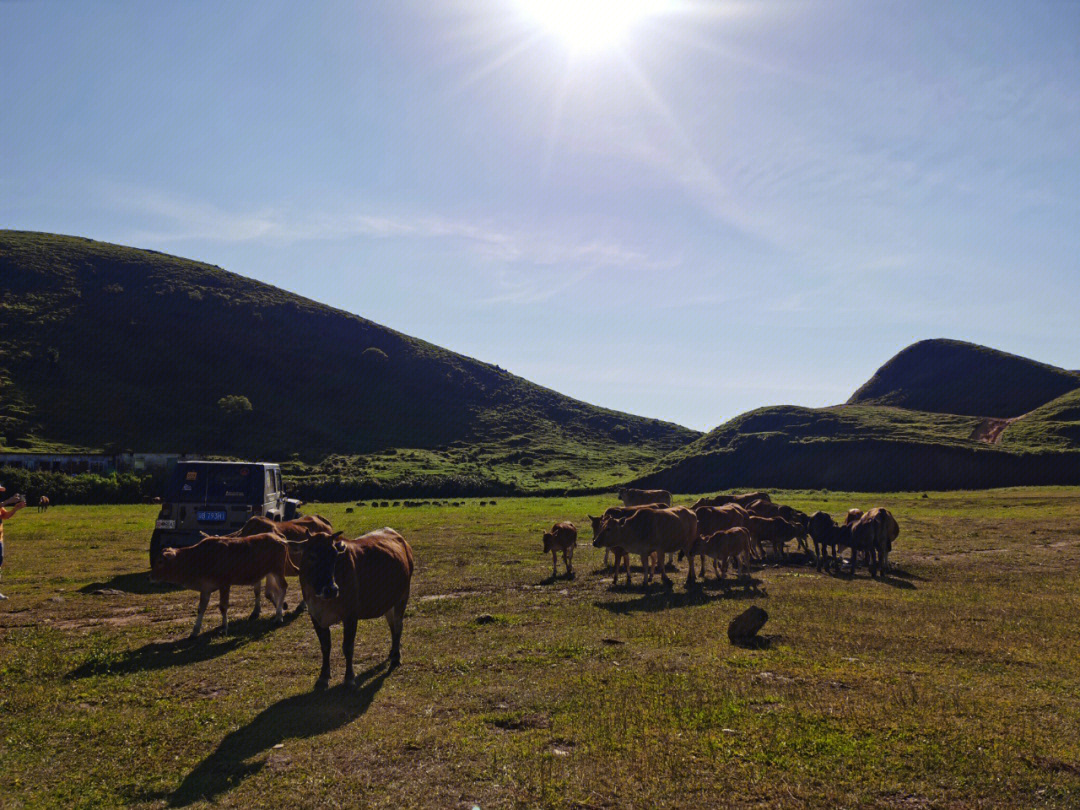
(589, 26)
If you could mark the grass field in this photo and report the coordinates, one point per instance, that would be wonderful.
(955, 683)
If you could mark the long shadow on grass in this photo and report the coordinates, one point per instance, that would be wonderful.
(305, 715)
(658, 599)
(181, 652)
(137, 582)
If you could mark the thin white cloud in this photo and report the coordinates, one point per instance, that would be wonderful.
(177, 220)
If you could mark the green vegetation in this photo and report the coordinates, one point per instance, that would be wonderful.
(1056, 425)
(951, 684)
(112, 347)
(950, 376)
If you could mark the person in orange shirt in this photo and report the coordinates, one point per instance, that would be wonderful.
(5, 514)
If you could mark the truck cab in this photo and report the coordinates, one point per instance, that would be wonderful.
(217, 497)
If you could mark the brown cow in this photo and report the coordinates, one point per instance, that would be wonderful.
(853, 516)
(724, 500)
(348, 580)
(43, 503)
(295, 529)
(664, 531)
(712, 519)
(562, 537)
(724, 545)
(618, 511)
(874, 533)
(776, 532)
(644, 497)
(218, 563)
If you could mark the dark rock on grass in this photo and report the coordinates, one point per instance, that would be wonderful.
(484, 618)
(744, 627)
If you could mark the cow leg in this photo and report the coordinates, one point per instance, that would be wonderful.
(324, 643)
(276, 587)
(396, 619)
(646, 569)
(554, 563)
(568, 559)
(223, 606)
(204, 600)
(258, 600)
(348, 644)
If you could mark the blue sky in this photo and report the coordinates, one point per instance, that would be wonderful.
(735, 204)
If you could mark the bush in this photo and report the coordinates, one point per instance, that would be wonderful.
(234, 405)
(86, 488)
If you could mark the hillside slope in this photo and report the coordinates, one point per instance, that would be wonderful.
(1055, 425)
(950, 376)
(110, 347)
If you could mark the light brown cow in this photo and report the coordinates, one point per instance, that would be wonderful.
(724, 545)
(644, 497)
(724, 500)
(218, 563)
(618, 511)
(874, 534)
(43, 503)
(562, 537)
(347, 580)
(664, 531)
(712, 519)
(776, 532)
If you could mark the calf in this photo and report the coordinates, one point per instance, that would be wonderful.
(618, 511)
(347, 580)
(775, 531)
(827, 535)
(649, 531)
(712, 519)
(724, 545)
(43, 504)
(295, 529)
(562, 537)
(218, 563)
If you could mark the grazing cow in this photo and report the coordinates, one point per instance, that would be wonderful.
(43, 504)
(644, 497)
(618, 511)
(218, 563)
(775, 531)
(724, 545)
(724, 500)
(348, 580)
(562, 537)
(712, 519)
(873, 534)
(826, 535)
(664, 531)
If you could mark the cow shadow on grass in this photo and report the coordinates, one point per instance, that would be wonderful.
(300, 716)
(137, 582)
(666, 598)
(180, 652)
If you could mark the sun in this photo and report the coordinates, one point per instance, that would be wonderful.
(589, 26)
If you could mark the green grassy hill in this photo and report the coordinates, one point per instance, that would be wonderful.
(110, 347)
(950, 376)
(1055, 425)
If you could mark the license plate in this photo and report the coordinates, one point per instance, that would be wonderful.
(210, 517)
(165, 524)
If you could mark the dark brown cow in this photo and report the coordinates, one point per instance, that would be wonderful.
(43, 504)
(644, 497)
(663, 531)
(853, 516)
(562, 537)
(776, 532)
(724, 545)
(348, 580)
(724, 500)
(218, 563)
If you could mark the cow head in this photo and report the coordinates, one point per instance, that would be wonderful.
(609, 533)
(549, 541)
(163, 565)
(319, 565)
(596, 522)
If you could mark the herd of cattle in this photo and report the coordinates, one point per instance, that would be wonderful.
(343, 581)
(725, 528)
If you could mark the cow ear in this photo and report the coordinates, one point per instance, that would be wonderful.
(204, 535)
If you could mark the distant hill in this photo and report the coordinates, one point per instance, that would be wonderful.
(106, 347)
(1010, 424)
(950, 376)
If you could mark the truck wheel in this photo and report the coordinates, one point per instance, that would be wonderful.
(155, 547)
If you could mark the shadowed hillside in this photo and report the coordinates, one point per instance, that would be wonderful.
(1055, 425)
(110, 347)
(950, 376)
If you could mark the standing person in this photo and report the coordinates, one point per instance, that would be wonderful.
(5, 514)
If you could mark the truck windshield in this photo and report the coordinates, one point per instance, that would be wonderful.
(209, 483)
